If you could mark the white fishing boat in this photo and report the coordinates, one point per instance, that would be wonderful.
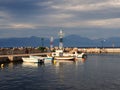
(76, 54)
(33, 59)
(59, 54)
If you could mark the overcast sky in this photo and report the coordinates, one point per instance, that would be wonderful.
(44, 18)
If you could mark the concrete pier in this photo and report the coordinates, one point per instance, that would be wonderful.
(17, 57)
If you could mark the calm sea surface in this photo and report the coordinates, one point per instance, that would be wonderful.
(98, 72)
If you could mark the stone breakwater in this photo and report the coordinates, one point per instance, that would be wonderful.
(102, 50)
(30, 50)
(22, 50)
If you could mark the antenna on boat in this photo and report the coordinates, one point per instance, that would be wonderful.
(61, 34)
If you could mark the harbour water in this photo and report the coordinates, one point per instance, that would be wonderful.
(98, 72)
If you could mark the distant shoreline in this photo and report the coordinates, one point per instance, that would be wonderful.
(31, 50)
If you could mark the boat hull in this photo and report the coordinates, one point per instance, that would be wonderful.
(38, 59)
(33, 59)
(64, 58)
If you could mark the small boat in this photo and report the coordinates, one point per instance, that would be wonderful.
(81, 55)
(33, 59)
(48, 59)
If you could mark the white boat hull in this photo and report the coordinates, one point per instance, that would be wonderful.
(38, 59)
(64, 58)
(33, 59)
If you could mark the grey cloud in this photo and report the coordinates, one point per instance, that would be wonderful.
(50, 15)
(23, 8)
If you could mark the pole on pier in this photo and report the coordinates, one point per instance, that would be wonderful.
(11, 58)
(61, 34)
(51, 42)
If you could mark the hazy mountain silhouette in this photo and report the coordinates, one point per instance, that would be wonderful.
(69, 41)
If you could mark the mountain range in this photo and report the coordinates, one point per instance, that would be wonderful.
(68, 41)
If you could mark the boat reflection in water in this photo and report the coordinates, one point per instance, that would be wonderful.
(60, 62)
(28, 64)
(82, 60)
(36, 65)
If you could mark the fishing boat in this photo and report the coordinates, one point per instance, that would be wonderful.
(60, 55)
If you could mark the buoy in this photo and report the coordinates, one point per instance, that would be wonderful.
(54, 62)
(2, 65)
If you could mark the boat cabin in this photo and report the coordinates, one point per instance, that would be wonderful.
(57, 53)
